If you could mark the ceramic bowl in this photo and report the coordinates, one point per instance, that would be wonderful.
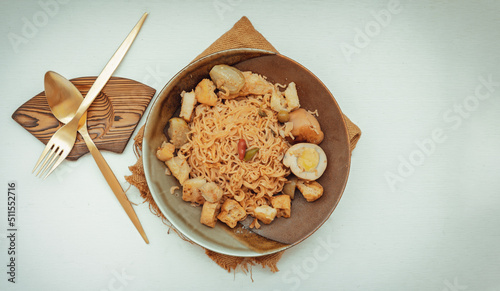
(306, 217)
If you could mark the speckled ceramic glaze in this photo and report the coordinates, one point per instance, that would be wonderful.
(283, 232)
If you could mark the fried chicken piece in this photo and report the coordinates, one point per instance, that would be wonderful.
(211, 192)
(265, 213)
(311, 190)
(188, 103)
(191, 190)
(209, 213)
(205, 92)
(283, 204)
(179, 168)
(231, 213)
(165, 151)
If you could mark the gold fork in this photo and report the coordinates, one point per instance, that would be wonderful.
(61, 143)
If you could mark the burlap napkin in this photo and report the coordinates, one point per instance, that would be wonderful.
(242, 35)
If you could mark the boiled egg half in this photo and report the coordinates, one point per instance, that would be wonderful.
(306, 160)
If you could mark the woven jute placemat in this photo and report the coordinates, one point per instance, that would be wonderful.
(242, 35)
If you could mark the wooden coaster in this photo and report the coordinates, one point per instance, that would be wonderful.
(111, 118)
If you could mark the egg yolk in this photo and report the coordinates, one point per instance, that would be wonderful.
(308, 159)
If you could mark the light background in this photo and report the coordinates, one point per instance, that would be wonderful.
(410, 219)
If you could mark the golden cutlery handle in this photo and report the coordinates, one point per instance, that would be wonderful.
(108, 70)
(113, 182)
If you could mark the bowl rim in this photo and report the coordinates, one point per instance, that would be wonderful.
(161, 94)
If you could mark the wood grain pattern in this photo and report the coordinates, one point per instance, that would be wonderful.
(111, 119)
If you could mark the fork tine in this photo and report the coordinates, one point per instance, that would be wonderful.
(50, 165)
(42, 156)
(62, 155)
(46, 163)
(48, 160)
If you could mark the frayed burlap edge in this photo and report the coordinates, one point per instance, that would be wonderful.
(230, 263)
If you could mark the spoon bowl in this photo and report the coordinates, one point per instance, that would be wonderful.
(64, 99)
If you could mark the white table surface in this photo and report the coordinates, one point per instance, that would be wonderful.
(421, 210)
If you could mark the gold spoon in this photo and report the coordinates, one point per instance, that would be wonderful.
(64, 100)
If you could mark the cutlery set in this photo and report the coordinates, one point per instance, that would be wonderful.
(69, 107)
